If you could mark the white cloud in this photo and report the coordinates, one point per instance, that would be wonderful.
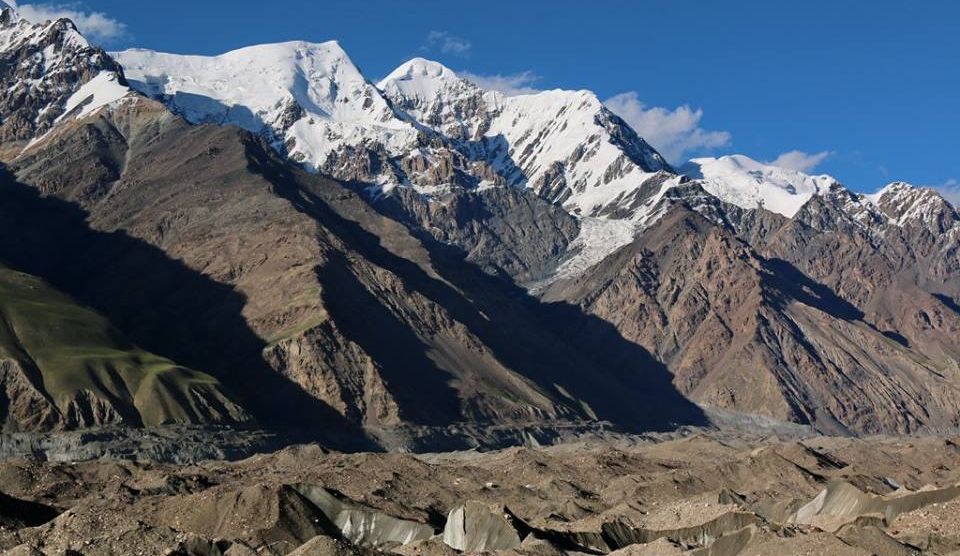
(950, 190)
(800, 161)
(96, 26)
(446, 43)
(510, 85)
(675, 133)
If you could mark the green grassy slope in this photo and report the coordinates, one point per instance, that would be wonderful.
(82, 365)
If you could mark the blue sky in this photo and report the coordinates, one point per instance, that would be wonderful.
(873, 86)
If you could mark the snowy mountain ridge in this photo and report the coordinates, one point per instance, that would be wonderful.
(422, 125)
(425, 126)
(565, 145)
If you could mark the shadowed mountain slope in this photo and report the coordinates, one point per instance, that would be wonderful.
(64, 366)
(289, 286)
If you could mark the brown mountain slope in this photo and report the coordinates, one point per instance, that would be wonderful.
(202, 245)
(905, 278)
(752, 335)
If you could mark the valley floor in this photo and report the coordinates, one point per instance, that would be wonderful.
(697, 492)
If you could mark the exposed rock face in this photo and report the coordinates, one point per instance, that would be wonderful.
(696, 296)
(900, 273)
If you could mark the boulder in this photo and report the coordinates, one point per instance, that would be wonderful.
(364, 526)
(477, 526)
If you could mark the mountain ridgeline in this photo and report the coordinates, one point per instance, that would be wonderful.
(420, 263)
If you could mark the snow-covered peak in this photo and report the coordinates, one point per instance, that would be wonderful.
(905, 204)
(749, 184)
(435, 96)
(565, 145)
(321, 78)
(419, 78)
(309, 98)
(570, 148)
(51, 74)
(894, 190)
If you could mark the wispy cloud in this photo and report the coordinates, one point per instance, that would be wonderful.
(675, 133)
(510, 85)
(800, 161)
(96, 26)
(446, 43)
(950, 190)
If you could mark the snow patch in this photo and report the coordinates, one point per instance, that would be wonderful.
(100, 91)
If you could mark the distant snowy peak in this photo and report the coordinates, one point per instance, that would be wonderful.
(742, 181)
(570, 149)
(905, 204)
(420, 78)
(749, 184)
(309, 98)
